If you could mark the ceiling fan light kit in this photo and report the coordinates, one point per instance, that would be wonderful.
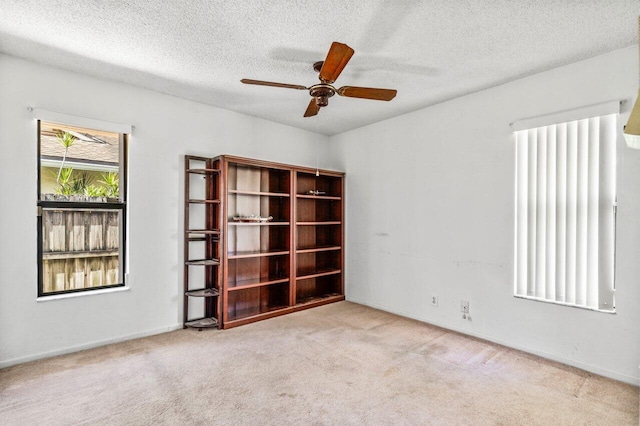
(632, 129)
(328, 72)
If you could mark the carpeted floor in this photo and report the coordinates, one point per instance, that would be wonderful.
(338, 364)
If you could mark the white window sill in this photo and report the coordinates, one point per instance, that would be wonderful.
(553, 302)
(82, 294)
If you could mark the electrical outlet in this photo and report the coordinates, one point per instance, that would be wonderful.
(464, 306)
(434, 300)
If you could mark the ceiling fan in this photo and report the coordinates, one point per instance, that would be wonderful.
(329, 70)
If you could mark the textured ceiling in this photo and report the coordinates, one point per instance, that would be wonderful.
(430, 51)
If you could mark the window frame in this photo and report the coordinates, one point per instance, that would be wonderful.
(121, 205)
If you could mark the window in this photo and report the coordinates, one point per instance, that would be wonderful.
(81, 208)
(565, 212)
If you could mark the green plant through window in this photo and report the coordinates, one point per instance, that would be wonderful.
(71, 182)
(111, 184)
(66, 140)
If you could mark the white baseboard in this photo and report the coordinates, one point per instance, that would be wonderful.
(633, 380)
(78, 348)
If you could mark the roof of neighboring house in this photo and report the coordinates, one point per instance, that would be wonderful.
(90, 146)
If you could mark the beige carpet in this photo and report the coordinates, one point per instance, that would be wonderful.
(339, 364)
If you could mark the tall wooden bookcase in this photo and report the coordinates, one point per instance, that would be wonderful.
(319, 236)
(257, 254)
(202, 242)
(283, 238)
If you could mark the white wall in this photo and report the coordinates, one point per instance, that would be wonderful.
(166, 128)
(430, 210)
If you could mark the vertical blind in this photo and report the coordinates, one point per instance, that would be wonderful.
(565, 212)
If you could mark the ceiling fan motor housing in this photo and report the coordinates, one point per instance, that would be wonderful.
(322, 93)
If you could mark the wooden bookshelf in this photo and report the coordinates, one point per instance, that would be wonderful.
(282, 245)
(319, 212)
(202, 219)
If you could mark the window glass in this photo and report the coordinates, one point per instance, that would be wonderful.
(81, 208)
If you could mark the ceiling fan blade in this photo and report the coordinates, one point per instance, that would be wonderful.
(272, 84)
(337, 58)
(312, 109)
(367, 93)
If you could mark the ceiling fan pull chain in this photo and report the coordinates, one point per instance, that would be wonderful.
(317, 143)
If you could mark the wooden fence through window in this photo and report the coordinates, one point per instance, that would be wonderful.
(80, 249)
